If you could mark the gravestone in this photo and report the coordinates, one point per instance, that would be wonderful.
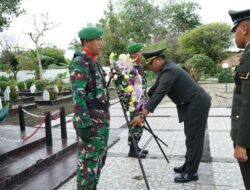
(1, 106)
(56, 89)
(46, 96)
(33, 88)
(6, 94)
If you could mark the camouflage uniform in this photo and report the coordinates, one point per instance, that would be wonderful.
(91, 104)
(138, 130)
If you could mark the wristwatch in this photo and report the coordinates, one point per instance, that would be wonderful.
(142, 115)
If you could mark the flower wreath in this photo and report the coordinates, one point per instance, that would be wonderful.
(128, 82)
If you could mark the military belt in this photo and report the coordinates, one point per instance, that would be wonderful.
(99, 106)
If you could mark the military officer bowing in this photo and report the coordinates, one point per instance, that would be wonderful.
(192, 103)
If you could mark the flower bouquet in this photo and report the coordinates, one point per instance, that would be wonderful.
(128, 82)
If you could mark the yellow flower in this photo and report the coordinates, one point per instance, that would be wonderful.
(129, 89)
(112, 55)
(123, 57)
(133, 99)
(126, 77)
(131, 103)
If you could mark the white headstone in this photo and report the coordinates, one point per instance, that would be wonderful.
(1, 106)
(56, 89)
(6, 94)
(33, 88)
(46, 96)
(17, 88)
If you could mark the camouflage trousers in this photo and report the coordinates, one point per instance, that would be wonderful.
(136, 131)
(92, 154)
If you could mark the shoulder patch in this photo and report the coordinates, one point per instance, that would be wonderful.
(245, 76)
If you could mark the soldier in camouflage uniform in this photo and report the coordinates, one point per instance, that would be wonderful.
(136, 54)
(91, 105)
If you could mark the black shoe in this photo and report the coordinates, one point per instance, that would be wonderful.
(132, 152)
(186, 177)
(133, 155)
(180, 169)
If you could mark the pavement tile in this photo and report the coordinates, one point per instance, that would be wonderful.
(123, 173)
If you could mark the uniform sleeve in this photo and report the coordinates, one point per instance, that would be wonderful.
(79, 74)
(243, 135)
(166, 80)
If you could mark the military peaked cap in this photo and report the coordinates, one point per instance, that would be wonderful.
(134, 48)
(238, 16)
(150, 55)
(90, 33)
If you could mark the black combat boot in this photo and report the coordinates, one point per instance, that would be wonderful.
(144, 151)
(132, 152)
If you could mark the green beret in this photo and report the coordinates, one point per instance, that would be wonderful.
(150, 55)
(238, 16)
(134, 48)
(90, 33)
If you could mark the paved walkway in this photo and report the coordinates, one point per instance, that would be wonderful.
(218, 170)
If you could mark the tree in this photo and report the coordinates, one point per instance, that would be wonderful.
(52, 56)
(113, 34)
(139, 20)
(9, 46)
(27, 58)
(75, 44)
(8, 10)
(40, 30)
(211, 40)
(178, 17)
(181, 16)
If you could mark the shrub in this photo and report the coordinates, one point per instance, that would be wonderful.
(13, 92)
(59, 84)
(3, 78)
(205, 66)
(226, 75)
(40, 85)
(21, 85)
(3, 85)
(12, 83)
(53, 94)
(29, 82)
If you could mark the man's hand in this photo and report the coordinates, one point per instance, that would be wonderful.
(137, 121)
(240, 153)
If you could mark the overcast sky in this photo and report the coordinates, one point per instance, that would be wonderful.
(74, 14)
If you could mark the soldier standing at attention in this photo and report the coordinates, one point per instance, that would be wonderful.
(192, 103)
(91, 105)
(135, 53)
(240, 120)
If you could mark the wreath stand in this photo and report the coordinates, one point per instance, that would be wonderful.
(147, 128)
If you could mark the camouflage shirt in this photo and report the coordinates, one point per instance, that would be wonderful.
(87, 90)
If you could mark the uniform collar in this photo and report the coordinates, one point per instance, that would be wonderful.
(89, 54)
